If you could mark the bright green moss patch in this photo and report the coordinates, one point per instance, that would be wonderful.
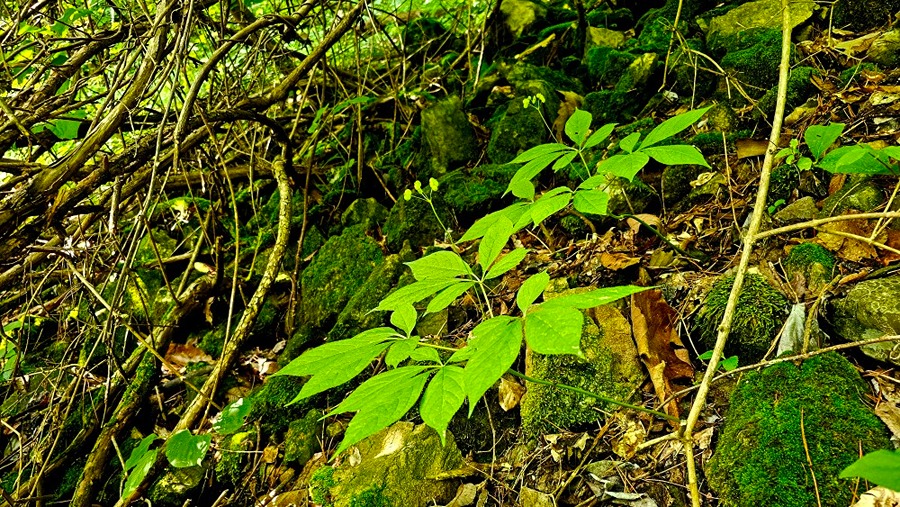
(760, 312)
(761, 457)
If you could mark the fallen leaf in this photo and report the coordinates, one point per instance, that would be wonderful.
(617, 261)
(848, 248)
(510, 393)
(570, 102)
(878, 497)
(660, 347)
(180, 355)
(626, 444)
(747, 148)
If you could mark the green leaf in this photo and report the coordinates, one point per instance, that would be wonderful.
(820, 137)
(550, 203)
(480, 227)
(138, 452)
(334, 363)
(446, 297)
(463, 354)
(531, 289)
(495, 345)
(625, 166)
(564, 160)
(881, 467)
(538, 151)
(186, 450)
(139, 472)
(493, 242)
(554, 330)
(64, 129)
(678, 154)
(400, 351)
(596, 297)
(577, 126)
(442, 264)
(380, 401)
(628, 143)
(594, 181)
(232, 417)
(804, 164)
(414, 292)
(522, 189)
(729, 363)
(404, 318)
(442, 398)
(673, 126)
(528, 171)
(856, 159)
(425, 355)
(505, 263)
(599, 136)
(593, 202)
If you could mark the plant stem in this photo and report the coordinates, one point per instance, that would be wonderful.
(584, 392)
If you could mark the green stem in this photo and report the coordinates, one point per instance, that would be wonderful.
(592, 395)
(661, 236)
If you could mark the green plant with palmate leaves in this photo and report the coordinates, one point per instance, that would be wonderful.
(441, 378)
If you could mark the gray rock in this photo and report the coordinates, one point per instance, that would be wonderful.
(759, 14)
(403, 464)
(885, 50)
(858, 193)
(798, 211)
(869, 310)
(449, 135)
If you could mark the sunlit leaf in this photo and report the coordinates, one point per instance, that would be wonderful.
(820, 137)
(531, 289)
(493, 242)
(554, 330)
(673, 126)
(495, 345)
(186, 450)
(881, 467)
(596, 297)
(442, 398)
(592, 202)
(441, 264)
(446, 297)
(577, 126)
(505, 263)
(625, 166)
(677, 154)
(599, 136)
(404, 318)
(232, 417)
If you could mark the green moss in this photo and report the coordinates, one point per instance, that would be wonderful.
(515, 128)
(366, 212)
(761, 455)
(272, 404)
(799, 88)
(414, 221)
(860, 15)
(655, 36)
(757, 59)
(302, 438)
(337, 271)
(608, 106)
(810, 264)
(372, 497)
(676, 182)
(235, 457)
(607, 17)
(321, 481)
(606, 65)
(785, 178)
(472, 193)
(854, 74)
(759, 314)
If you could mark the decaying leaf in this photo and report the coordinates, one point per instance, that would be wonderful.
(747, 148)
(617, 261)
(569, 103)
(848, 248)
(878, 497)
(658, 343)
(632, 435)
(510, 393)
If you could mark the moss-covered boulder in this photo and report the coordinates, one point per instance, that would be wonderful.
(605, 65)
(235, 455)
(759, 314)
(780, 414)
(765, 14)
(472, 193)
(809, 268)
(399, 466)
(862, 15)
(754, 58)
(608, 106)
(799, 88)
(520, 16)
(515, 128)
(859, 193)
(609, 367)
(337, 271)
(176, 486)
(449, 136)
(604, 37)
(271, 404)
(302, 438)
(869, 310)
(415, 221)
(368, 213)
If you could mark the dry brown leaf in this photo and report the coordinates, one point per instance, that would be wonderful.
(180, 355)
(510, 393)
(846, 248)
(570, 102)
(634, 434)
(654, 323)
(651, 220)
(617, 261)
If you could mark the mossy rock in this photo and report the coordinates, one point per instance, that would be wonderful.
(610, 106)
(235, 456)
(368, 213)
(777, 416)
(757, 62)
(859, 193)
(676, 183)
(609, 367)
(449, 136)
(608, 17)
(337, 271)
(759, 314)
(606, 65)
(522, 76)
(861, 15)
(271, 404)
(809, 266)
(357, 314)
(302, 438)
(402, 463)
(871, 309)
(414, 221)
(757, 15)
(177, 485)
(799, 88)
(516, 128)
(472, 193)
